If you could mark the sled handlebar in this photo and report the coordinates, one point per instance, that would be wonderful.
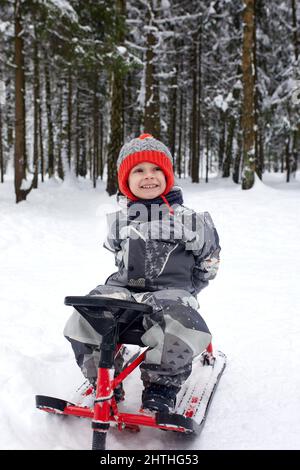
(106, 303)
(116, 320)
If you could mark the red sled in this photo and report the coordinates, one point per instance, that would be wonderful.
(120, 322)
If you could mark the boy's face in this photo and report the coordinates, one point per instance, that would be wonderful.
(147, 180)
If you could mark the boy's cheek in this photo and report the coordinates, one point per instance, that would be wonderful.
(134, 181)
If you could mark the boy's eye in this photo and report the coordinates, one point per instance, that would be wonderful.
(140, 170)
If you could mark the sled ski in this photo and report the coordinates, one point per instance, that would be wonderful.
(195, 396)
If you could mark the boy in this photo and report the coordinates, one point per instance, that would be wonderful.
(165, 254)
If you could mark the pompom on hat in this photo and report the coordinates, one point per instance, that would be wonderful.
(144, 148)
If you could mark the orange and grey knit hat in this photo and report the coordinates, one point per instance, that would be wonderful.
(144, 149)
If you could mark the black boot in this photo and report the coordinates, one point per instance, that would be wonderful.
(119, 393)
(157, 397)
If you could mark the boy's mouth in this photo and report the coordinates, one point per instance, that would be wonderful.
(149, 186)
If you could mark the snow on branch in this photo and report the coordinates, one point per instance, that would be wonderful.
(175, 19)
(64, 7)
(135, 46)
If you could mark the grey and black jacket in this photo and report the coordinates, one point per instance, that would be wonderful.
(155, 249)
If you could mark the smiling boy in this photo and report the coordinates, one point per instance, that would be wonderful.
(164, 271)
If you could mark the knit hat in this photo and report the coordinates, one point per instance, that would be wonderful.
(144, 149)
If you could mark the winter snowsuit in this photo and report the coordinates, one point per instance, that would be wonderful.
(164, 259)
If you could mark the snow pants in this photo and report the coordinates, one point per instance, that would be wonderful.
(175, 334)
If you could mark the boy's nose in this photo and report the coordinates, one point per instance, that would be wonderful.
(151, 172)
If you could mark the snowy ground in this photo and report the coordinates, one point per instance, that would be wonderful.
(51, 246)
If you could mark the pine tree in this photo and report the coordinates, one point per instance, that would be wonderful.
(248, 99)
(117, 101)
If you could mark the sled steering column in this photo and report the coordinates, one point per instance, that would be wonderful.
(117, 321)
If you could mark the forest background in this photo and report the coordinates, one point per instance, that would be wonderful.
(216, 81)
(219, 83)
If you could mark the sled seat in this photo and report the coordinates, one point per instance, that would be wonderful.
(105, 313)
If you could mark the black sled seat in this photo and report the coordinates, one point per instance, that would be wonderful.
(109, 316)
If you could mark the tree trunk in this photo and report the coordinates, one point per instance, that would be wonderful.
(231, 164)
(1, 150)
(95, 132)
(295, 34)
(36, 98)
(199, 98)
(282, 159)
(70, 117)
(195, 111)
(238, 159)
(184, 136)
(228, 154)
(261, 156)
(77, 135)
(173, 112)
(90, 150)
(181, 125)
(207, 152)
(117, 115)
(101, 163)
(152, 107)
(295, 150)
(83, 154)
(1, 136)
(60, 167)
(239, 142)
(248, 101)
(9, 115)
(116, 137)
(49, 120)
(41, 145)
(258, 165)
(296, 133)
(128, 105)
(221, 150)
(20, 139)
(287, 159)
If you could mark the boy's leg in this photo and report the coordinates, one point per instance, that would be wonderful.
(84, 339)
(87, 357)
(176, 333)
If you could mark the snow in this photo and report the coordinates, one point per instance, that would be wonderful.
(221, 103)
(165, 4)
(51, 246)
(2, 93)
(122, 50)
(3, 25)
(65, 8)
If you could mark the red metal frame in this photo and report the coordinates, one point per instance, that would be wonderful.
(106, 408)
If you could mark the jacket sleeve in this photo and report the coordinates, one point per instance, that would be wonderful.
(206, 250)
